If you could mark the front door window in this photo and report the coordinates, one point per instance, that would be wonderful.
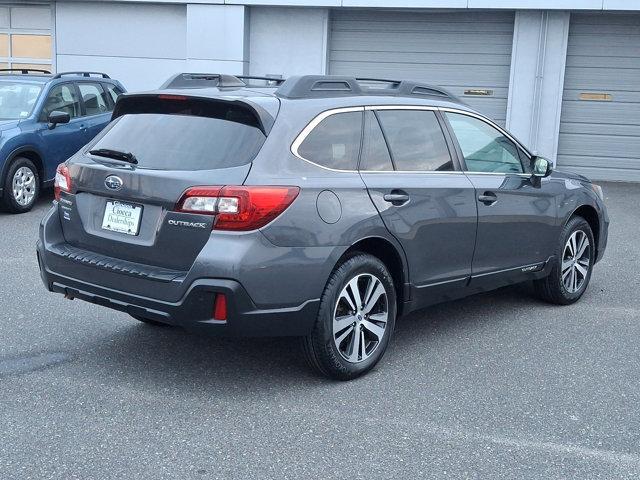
(484, 148)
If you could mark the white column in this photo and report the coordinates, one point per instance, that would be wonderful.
(537, 78)
(217, 39)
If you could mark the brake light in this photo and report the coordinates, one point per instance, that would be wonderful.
(62, 183)
(172, 97)
(239, 208)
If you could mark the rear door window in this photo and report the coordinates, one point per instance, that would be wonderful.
(334, 142)
(94, 98)
(113, 91)
(416, 140)
(375, 154)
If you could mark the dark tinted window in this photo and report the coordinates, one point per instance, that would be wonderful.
(335, 142)
(484, 148)
(416, 140)
(375, 154)
(183, 142)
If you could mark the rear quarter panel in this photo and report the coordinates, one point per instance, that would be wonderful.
(341, 197)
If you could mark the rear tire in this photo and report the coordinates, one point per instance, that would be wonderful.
(149, 322)
(355, 320)
(571, 272)
(21, 187)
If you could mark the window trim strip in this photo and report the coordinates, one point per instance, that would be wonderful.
(301, 137)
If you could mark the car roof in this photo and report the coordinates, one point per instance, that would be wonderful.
(43, 78)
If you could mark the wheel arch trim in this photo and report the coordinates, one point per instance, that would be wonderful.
(31, 149)
(592, 218)
(400, 275)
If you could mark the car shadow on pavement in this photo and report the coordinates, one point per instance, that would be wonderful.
(169, 357)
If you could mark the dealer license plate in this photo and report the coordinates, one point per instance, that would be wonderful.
(122, 217)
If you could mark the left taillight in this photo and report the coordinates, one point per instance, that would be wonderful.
(62, 182)
(238, 208)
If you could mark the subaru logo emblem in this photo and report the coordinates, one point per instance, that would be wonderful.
(113, 182)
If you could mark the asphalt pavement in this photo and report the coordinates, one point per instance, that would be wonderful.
(495, 386)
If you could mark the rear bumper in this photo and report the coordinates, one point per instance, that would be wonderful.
(260, 301)
(194, 310)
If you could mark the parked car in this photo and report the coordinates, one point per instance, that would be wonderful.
(324, 208)
(44, 120)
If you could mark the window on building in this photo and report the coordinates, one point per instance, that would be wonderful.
(31, 46)
(25, 41)
(335, 142)
(416, 140)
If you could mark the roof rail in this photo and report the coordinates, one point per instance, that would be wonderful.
(315, 86)
(220, 80)
(202, 80)
(275, 80)
(81, 74)
(25, 71)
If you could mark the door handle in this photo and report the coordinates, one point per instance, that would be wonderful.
(488, 198)
(396, 197)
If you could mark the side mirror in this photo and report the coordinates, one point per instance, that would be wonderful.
(541, 167)
(57, 117)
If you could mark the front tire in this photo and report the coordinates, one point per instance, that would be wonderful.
(575, 256)
(355, 320)
(21, 186)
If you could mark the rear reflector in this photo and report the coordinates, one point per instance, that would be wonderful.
(239, 208)
(220, 307)
(62, 182)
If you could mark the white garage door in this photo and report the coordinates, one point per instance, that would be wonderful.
(25, 36)
(600, 121)
(464, 52)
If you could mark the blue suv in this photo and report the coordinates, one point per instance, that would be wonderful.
(44, 120)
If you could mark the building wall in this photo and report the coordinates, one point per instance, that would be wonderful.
(148, 45)
(151, 41)
(143, 42)
(288, 41)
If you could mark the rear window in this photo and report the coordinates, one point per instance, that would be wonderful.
(173, 132)
(182, 142)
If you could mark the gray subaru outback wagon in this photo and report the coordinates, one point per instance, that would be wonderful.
(322, 207)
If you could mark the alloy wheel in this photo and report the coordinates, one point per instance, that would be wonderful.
(360, 317)
(24, 186)
(576, 261)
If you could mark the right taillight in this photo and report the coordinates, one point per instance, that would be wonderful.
(238, 208)
(62, 183)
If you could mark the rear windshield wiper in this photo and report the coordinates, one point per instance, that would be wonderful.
(115, 154)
